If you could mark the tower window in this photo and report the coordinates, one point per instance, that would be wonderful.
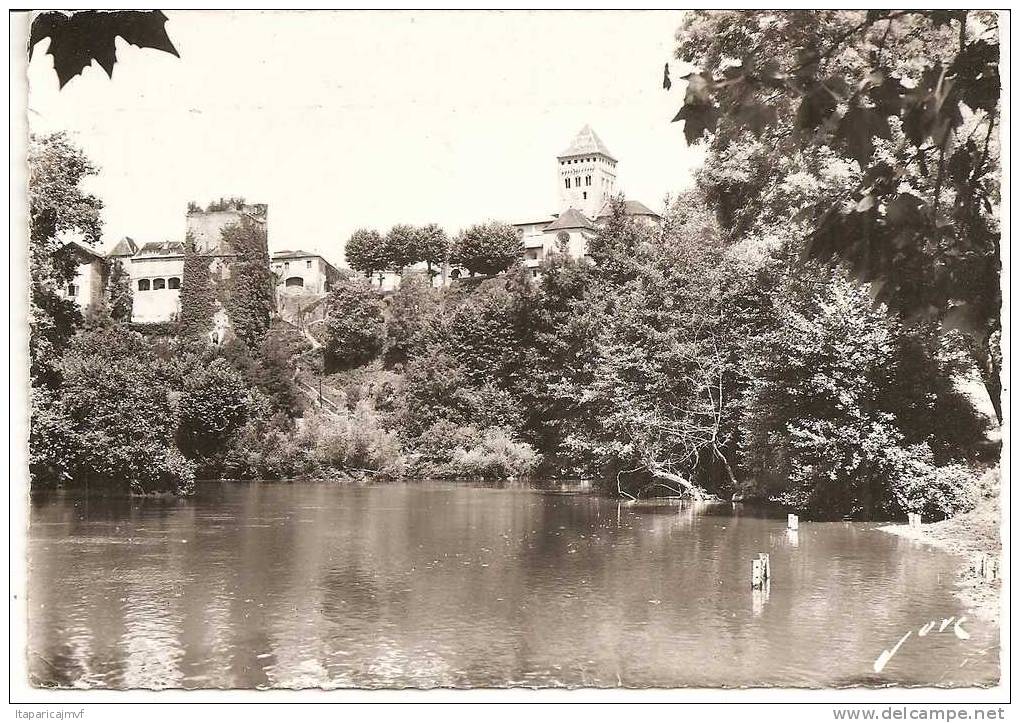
(568, 182)
(577, 182)
(585, 195)
(72, 290)
(308, 264)
(143, 284)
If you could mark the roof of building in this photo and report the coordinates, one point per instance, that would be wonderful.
(83, 248)
(586, 141)
(299, 254)
(125, 247)
(547, 219)
(162, 248)
(571, 218)
(630, 208)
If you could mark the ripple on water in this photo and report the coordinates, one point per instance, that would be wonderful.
(452, 586)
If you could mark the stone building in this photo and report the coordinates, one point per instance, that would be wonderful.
(302, 272)
(586, 176)
(156, 271)
(88, 287)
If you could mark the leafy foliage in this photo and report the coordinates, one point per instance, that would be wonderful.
(81, 36)
(400, 247)
(433, 246)
(215, 403)
(58, 207)
(413, 319)
(487, 248)
(121, 300)
(912, 98)
(365, 251)
(353, 327)
(250, 294)
(114, 418)
(198, 294)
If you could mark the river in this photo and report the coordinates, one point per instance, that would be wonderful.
(441, 584)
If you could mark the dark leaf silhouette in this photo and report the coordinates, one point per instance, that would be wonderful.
(79, 37)
(666, 82)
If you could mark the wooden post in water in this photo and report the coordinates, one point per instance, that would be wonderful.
(792, 522)
(914, 520)
(757, 574)
(766, 566)
(987, 567)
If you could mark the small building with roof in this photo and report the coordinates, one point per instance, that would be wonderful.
(157, 272)
(586, 176)
(87, 287)
(303, 272)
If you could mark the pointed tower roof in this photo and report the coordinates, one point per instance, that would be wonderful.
(586, 141)
(125, 247)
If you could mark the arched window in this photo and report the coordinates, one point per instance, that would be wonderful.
(567, 181)
(143, 284)
(158, 284)
(295, 281)
(174, 283)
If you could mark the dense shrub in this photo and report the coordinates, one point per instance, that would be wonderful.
(413, 319)
(835, 423)
(116, 417)
(935, 492)
(356, 442)
(249, 297)
(353, 330)
(494, 454)
(215, 403)
(199, 294)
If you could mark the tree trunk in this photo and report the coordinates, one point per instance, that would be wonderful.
(689, 487)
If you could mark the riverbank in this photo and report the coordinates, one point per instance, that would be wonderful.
(968, 535)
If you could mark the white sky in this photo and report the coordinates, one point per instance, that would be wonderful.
(342, 120)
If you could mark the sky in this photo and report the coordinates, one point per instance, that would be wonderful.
(368, 119)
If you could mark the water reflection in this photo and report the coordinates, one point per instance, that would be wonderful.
(256, 585)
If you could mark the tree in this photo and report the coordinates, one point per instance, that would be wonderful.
(58, 206)
(119, 292)
(666, 357)
(215, 403)
(487, 248)
(57, 203)
(365, 251)
(400, 247)
(413, 319)
(114, 417)
(250, 298)
(837, 420)
(353, 327)
(911, 97)
(434, 246)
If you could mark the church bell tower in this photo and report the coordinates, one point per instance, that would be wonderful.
(587, 174)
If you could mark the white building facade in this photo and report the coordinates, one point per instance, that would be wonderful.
(586, 176)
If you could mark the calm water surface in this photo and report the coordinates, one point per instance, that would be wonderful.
(430, 584)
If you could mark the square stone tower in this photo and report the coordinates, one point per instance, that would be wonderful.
(587, 174)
